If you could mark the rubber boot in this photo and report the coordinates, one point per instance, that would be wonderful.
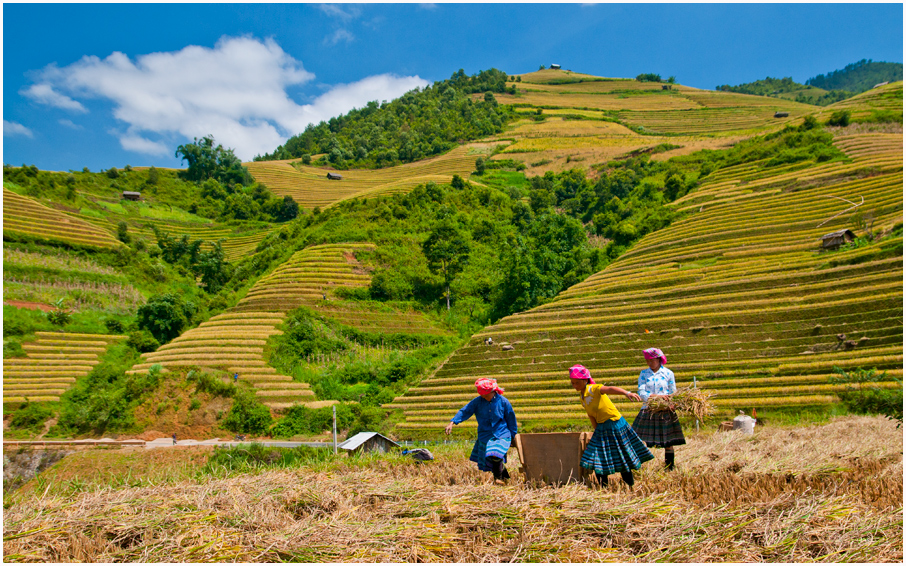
(627, 477)
(498, 469)
(668, 460)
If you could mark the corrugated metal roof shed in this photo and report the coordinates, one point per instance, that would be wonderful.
(362, 438)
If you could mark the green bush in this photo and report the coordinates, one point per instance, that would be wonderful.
(301, 420)
(30, 416)
(142, 341)
(114, 326)
(208, 383)
(165, 316)
(869, 399)
(839, 118)
(247, 415)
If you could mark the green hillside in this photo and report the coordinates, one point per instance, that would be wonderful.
(592, 203)
(738, 293)
(858, 77)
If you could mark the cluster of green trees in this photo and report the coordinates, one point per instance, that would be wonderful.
(419, 124)
(237, 202)
(787, 86)
(654, 78)
(859, 76)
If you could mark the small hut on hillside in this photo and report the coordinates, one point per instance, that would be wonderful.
(555, 66)
(132, 195)
(836, 239)
(368, 442)
(781, 114)
(334, 176)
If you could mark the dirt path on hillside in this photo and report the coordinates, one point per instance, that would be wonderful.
(29, 305)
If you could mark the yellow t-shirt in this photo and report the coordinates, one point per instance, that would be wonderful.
(598, 405)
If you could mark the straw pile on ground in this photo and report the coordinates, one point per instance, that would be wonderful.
(690, 401)
(805, 494)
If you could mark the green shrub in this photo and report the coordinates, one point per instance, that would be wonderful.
(208, 383)
(870, 399)
(839, 118)
(370, 419)
(13, 349)
(301, 420)
(194, 404)
(142, 341)
(115, 326)
(30, 416)
(247, 415)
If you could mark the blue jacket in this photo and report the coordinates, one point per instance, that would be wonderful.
(496, 418)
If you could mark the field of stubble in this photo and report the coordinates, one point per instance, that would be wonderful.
(828, 493)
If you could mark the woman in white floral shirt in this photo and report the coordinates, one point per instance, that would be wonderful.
(660, 429)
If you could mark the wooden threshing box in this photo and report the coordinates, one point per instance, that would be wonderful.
(552, 457)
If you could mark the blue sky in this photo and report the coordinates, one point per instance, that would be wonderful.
(105, 85)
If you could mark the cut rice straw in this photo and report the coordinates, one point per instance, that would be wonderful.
(690, 401)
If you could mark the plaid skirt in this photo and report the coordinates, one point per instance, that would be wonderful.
(494, 448)
(659, 429)
(615, 447)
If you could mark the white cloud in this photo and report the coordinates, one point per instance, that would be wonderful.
(70, 124)
(338, 36)
(138, 144)
(236, 92)
(16, 129)
(335, 11)
(45, 94)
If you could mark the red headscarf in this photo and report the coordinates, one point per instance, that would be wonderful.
(580, 372)
(486, 385)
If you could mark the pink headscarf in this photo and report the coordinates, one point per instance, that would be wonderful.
(654, 354)
(487, 385)
(580, 372)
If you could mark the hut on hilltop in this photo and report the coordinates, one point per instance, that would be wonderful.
(836, 239)
(555, 66)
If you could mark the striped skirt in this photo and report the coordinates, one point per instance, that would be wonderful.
(659, 429)
(494, 448)
(615, 447)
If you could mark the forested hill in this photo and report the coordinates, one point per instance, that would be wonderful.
(858, 77)
(824, 89)
(419, 124)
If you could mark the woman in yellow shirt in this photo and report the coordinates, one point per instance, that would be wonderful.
(614, 447)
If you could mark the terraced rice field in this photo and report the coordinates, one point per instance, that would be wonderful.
(53, 363)
(737, 294)
(371, 319)
(234, 342)
(236, 245)
(24, 216)
(885, 98)
(306, 278)
(310, 187)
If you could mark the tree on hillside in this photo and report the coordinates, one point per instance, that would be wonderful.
(447, 250)
(165, 316)
(209, 162)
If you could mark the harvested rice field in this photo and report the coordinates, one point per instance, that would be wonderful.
(824, 493)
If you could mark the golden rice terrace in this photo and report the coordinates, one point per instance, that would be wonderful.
(738, 293)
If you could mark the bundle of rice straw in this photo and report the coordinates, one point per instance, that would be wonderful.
(690, 401)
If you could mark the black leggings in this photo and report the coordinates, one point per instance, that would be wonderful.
(498, 469)
(627, 477)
